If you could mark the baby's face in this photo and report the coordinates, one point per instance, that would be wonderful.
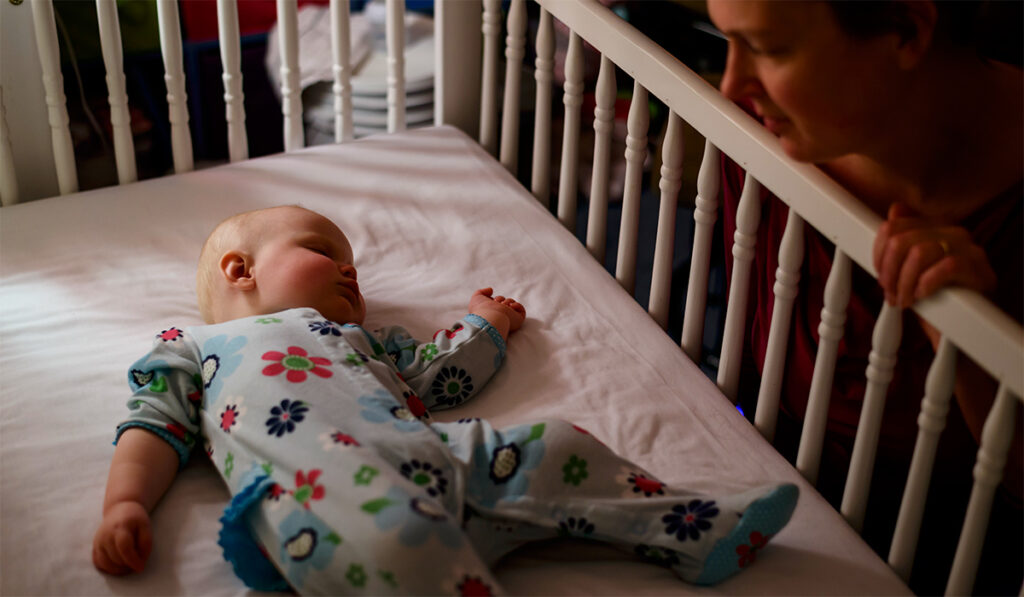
(304, 260)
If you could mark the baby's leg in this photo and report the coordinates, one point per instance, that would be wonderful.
(553, 478)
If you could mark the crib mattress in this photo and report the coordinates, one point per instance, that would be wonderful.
(87, 280)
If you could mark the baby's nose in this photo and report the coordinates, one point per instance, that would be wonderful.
(348, 270)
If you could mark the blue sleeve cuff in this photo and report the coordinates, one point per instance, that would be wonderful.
(486, 326)
(179, 446)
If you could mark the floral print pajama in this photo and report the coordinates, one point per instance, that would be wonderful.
(342, 484)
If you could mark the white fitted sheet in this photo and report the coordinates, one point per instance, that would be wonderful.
(87, 280)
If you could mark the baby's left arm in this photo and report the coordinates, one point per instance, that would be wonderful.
(505, 314)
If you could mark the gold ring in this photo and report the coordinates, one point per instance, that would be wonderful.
(944, 246)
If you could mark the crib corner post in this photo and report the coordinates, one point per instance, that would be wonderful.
(457, 65)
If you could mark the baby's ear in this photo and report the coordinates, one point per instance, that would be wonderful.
(236, 267)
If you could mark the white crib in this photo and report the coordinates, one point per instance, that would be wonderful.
(470, 77)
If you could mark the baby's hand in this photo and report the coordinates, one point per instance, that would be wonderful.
(123, 542)
(496, 308)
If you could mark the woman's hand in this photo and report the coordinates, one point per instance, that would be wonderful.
(915, 258)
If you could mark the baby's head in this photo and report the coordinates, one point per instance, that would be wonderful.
(279, 258)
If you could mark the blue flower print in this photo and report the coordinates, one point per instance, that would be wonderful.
(381, 407)
(284, 417)
(689, 520)
(220, 359)
(499, 465)
(426, 475)
(325, 328)
(451, 386)
(417, 518)
(143, 373)
(306, 542)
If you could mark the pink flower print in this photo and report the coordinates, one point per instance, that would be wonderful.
(297, 363)
(646, 485)
(275, 492)
(177, 430)
(450, 334)
(748, 553)
(306, 488)
(170, 335)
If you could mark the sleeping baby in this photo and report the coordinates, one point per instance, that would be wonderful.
(340, 481)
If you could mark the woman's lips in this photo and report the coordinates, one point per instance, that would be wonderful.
(775, 125)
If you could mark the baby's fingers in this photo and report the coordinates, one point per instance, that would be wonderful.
(484, 291)
(105, 563)
(133, 546)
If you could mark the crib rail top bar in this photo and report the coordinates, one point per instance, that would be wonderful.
(974, 325)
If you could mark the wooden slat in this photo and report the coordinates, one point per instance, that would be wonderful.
(291, 91)
(637, 123)
(787, 276)
(747, 219)
(572, 98)
(515, 49)
(8, 176)
(885, 341)
(56, 103)
(671, 181)
(174, 78)
(604, 124)
(231, 60)
(120, 121)
(341, 50)
(394, 26)
(830, 332)
(491, 28)
(705, 215)
(938, 392)
(540, 175)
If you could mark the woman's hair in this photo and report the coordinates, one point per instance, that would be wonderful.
(990, 27)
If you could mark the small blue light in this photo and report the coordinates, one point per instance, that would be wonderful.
(741, 410)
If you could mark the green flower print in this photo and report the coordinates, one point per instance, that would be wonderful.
(268, 320)
(229, 465)
(574, 471)
(428, 352)
(356, 575)
(388, 578)
(365, 475)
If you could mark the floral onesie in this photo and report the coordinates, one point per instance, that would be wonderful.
(341, 484)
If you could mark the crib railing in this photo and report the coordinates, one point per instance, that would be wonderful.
(466, 94)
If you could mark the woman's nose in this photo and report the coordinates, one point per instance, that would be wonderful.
(739, 80)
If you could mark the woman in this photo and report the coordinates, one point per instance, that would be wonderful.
(896, 101)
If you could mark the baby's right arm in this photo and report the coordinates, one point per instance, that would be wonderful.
(143, 467)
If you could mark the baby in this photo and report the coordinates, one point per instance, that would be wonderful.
(340, 482)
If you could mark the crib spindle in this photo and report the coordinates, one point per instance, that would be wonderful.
(56, 103)
(394, 26)
(341, 50)
(573, 99)
(885, 341)
(787, 275)
(747, 219)
(491, 29)
(604, 115)
(996, 436)
(231, 60)
(671, 181)
(637, 122)
(938, 391)
(8, 177)
(174, 78)
(113, 61)
(704, 217)
(291, 99)
(515, 49)
(540, 175)
(830, 332)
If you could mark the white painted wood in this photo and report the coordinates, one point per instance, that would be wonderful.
(938, 392)
(705, 214)
(8, 177)
(572, 98)
(747, 220)
(457, 65)
(996, 437)
(671, 181)
(394, 26)
(544, 65)
(604, 124)
(515, 49)
(637, 123)
(231, 60)
(56, 103)
(885, 341)
(291, 90)
(113, 61)
(174, 79)
(830, 332)
(977, 327)
(341, 51)
(489, 84)
(787, 276)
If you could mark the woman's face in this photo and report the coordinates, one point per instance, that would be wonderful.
(823, 93)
